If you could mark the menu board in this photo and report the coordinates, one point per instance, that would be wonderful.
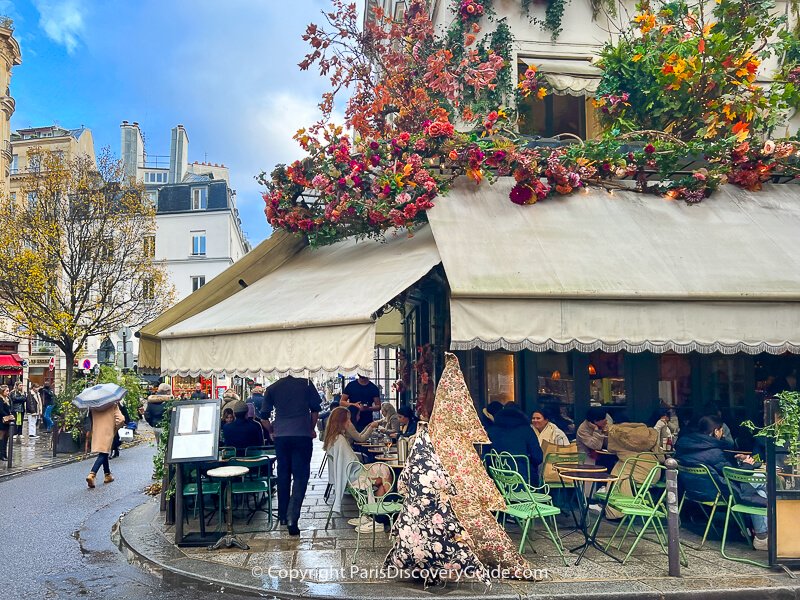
(194, 431)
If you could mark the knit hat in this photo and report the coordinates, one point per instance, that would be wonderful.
(164, 389)
(239, 408)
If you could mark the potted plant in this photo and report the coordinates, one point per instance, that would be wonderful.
(785, 431)
(68, 421)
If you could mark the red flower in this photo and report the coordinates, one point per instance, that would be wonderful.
(521, 194)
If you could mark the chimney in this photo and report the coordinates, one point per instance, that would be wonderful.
(178, 154)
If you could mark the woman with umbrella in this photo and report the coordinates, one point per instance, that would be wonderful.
(106, 418)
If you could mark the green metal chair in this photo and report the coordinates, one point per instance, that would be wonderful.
(210, 488)
(627, 473)
(645, 507)
(736, 507)
(370, 505)
(521, 504)
(259, 485)
(226, 452)
(512, 462)
(719, 501)
(259, 451)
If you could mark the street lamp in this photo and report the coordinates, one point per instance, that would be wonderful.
(106, 352)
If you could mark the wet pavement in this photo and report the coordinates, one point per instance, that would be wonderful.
(57, 535)
(320, 562)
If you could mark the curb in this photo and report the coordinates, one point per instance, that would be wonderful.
(133, 527)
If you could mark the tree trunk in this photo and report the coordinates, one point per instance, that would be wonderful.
(69, 356)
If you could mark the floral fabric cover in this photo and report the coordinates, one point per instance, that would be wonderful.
(454, 426)
(428, 541)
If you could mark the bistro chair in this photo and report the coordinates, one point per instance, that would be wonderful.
(226, 452)
(360, 486)
(260, 487)
(210, 488)
(522, 504)
(702, 474)
(514, 462)
(733, 479)
(642, 506)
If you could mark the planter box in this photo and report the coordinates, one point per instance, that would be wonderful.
(66, 445)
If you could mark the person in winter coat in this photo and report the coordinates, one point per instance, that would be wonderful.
(6, 418)
(34, 408)
(156, 404)
(18, 401)
(511, 432)
(706, 446)
(407, 421)
(105, 422)
(229, 398)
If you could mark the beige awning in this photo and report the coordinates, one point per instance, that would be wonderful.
(261, 260)
(313, 313)
(623, 272)
(567, 76)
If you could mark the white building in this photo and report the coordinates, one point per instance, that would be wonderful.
(199, 232)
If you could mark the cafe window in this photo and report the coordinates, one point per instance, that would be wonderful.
(552, 115)
(675, 379)
(607, 379)
(500, 377)
(556, 384)
(725, 384)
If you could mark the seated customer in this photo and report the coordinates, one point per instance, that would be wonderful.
(591, 435)
(242, 432)
(546, 430)
(389, 422)
(511, 432)
(407, 420)
(342, 469)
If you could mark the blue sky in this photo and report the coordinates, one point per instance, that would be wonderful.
(225, 69)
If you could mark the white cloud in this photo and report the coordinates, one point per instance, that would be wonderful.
(62, 21)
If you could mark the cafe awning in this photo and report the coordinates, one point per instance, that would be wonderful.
(622, 272)
(567, 76)
(10, 363)
(318, 311)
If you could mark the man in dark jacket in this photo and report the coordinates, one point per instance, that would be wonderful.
(706, 446)
(511, 432)
(242, 432)
(198, 393)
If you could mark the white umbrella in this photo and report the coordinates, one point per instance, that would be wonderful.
(99, 396)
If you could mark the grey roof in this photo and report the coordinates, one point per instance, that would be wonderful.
(194, 178)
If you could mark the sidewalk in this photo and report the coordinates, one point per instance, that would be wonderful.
(321, 563)
(37, 454)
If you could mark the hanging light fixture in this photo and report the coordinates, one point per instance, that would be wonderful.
(592, 370)
(555, 375)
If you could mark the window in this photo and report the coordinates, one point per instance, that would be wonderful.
(152, 198)
(199, 198)
(148, 289)
(553, 115)
(13, 199)
(198, 243)
(198, 281)
(500, 384)
(557, 387)
(107, 248)
(34, 162)
(32, 201)
(155, 177)
(607, 378)
(150, 246)
(14, 164)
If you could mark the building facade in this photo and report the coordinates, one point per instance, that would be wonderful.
(10, 56)
(199, 232)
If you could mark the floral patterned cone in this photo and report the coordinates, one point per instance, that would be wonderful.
(454, 427)
(427, 535)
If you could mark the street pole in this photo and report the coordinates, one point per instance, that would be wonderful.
(673, 526)
(124, 350)
(12, 431)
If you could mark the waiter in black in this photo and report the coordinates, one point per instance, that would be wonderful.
(363, 395)
(297, 404)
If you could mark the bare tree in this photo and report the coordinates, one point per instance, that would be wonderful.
(77, 251)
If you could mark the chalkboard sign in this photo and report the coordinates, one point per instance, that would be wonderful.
(194, 431)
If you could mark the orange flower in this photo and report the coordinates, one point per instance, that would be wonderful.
(740, 130)
(636, 57)
(541, 93)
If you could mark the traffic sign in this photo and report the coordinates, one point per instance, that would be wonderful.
(51, 366)
(87, 364)
(125, 333)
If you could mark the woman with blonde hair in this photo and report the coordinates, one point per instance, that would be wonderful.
(389, 422)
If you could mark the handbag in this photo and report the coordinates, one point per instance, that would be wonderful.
(119, 418)
(125, 434)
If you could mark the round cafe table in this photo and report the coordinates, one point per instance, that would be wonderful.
(593, 478)
(565, 467)
(226, 474)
